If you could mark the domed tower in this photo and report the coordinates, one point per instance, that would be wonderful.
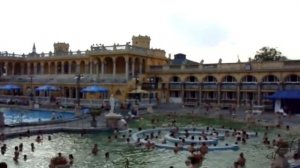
(61, 48)
(141, 41)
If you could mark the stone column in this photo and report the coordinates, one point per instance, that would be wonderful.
(62, 67)
(55, 69)
(141, 66)
(200, 93)
(132, 70)
(71, 94)
(114, 67)
(22, 69)
(6, 67)
(258, 93)
(126, 68)
(219, 93)
(102, 67)
(42, 68)
(238, 95)
(77, 68)
(13, 68)
(49, 68)
(70, 67)
(28, 69)
(86, 68)
(96, 67)
(91, 66)
(35, 68)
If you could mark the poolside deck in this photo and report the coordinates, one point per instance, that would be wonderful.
(84, 123)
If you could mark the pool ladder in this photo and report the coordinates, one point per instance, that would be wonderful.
(294, 145)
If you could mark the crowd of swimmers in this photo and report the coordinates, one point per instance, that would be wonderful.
(197, 154)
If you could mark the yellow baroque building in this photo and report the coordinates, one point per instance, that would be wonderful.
(116, 67)
(121, 68)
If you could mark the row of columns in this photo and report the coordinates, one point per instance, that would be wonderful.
(238, 92)
(88, 67)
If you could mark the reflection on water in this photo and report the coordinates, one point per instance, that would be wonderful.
(17, 115)
(119, 151)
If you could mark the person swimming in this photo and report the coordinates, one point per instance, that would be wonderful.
(107, 155)
(138, 142)
(38, 139)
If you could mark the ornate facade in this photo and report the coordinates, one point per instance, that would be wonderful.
(225, 84)
(115, 67)
(118, 67)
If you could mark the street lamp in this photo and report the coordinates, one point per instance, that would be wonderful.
(78, 77)
(151, 88)
(31, 88)
(136, 88)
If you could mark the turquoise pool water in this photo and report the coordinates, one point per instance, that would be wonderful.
(17, 115)
(119, 150)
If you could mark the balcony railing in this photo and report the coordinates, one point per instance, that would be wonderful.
(175, 86)
(229, 86)
(210, 86)
(193, 85)
(249, 86)
(295, 86)
(270, 86)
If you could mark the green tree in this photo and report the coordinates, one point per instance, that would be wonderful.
(269, 54)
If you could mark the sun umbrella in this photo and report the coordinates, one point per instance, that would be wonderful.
(94, 89)
(9, 87)
(47, 88)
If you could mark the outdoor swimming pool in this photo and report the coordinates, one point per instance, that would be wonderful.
(119, 150)
(18, 116)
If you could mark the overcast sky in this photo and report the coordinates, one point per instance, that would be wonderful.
(208, 29)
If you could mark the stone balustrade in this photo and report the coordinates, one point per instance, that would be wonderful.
(94, 50)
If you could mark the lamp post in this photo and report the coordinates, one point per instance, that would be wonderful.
(151, 89)
(78, 77)
(31, 88)
(136, 88)
(31, 98)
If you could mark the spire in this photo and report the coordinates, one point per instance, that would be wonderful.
(33, 48)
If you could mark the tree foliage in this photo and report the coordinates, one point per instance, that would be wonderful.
(269, 54)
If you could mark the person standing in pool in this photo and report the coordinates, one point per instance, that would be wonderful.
(127, 163)
(203, 149)
(241, 162)
(25, 157)
(32, 147)
(21, 147)
(71, 159)
(16, 154)
(95, 150)
(107, 155)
